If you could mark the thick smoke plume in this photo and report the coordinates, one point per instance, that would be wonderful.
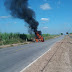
(20, 9)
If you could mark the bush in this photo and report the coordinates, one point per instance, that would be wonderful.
(10, 38)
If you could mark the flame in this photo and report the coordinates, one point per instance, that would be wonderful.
(40, 38)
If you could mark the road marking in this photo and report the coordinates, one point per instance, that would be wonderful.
(39, 57)
(36, 60)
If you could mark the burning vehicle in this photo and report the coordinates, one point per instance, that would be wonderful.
(39, 37)
(20, 9)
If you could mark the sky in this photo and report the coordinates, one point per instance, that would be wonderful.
(54, 17)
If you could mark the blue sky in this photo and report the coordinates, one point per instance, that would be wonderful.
(54, 17)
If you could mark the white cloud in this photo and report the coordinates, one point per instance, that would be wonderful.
(45, 6)
(45, 27)
(5, 16)
(45, 19)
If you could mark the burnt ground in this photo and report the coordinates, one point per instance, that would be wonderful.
(58, 59)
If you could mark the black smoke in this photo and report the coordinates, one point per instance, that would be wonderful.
(20, 9)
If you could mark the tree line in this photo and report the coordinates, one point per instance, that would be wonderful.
(12, 38)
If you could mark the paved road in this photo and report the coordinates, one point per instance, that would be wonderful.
(70, 36)
(14, 59)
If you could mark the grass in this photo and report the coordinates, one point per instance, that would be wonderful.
(14, 38)
(48, 36)
(11, 38)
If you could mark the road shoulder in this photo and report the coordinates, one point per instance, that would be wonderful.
(58, 59)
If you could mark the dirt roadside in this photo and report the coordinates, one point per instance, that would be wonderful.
(10, 45)
(58, 59)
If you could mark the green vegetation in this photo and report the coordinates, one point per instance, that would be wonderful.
(48, 36)
(61, 33)
(13, 38)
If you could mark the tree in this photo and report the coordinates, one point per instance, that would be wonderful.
(61, 33)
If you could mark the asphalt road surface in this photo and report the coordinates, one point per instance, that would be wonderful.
(14, 59)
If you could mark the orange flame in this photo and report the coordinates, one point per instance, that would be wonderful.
(40, 38)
